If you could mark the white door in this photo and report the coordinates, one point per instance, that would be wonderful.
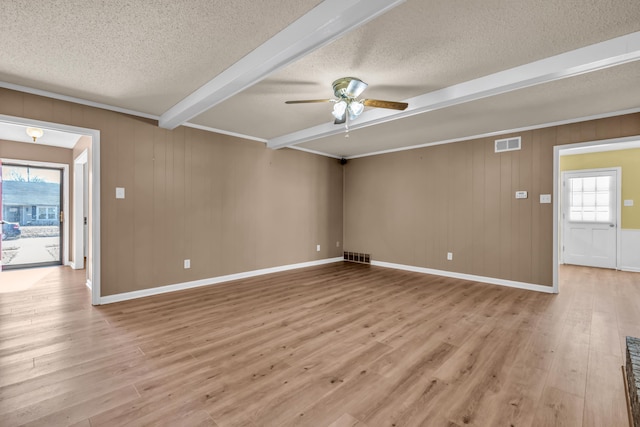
(589, 218)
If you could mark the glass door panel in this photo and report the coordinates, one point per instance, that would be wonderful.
(31, 211)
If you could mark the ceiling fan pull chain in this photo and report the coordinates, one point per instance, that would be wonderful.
(346, 126)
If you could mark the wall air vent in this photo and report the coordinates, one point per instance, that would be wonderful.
(357, 257)
(508, 144)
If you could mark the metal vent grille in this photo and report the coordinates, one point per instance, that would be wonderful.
(357, 257)
(508, 144)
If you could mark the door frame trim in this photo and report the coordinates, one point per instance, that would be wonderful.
(94, 187)
(79, 163)
(557, 192)
(618, 171)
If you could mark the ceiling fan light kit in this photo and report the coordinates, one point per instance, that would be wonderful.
(338, 109)
(346, 102)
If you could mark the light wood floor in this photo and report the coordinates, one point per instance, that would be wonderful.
(338, 345)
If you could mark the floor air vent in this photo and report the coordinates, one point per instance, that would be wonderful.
(508, 144)
(357, 257)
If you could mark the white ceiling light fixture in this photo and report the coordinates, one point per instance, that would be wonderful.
(339, 109)
(355, 109)
(35, 133)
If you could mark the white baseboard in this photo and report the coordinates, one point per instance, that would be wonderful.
(88, 283)
(470, 277)
(211, 281)
(74, 266)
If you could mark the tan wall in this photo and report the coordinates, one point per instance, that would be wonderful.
(413, 207)
(34, 152)
(227, 204)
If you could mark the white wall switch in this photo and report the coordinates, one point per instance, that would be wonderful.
(545, 198)
(187, 263)
(628, 202)
(521, 194)
(317, 248)
(119, 192)
(450, 256)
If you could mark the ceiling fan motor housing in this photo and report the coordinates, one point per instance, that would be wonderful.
(348, 87)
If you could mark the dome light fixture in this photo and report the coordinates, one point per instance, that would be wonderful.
(35, 133)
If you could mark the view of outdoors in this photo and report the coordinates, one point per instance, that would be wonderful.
(31, 214)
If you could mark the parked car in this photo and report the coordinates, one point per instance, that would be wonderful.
(10, 230)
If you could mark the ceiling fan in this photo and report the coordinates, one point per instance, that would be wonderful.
(346, 103)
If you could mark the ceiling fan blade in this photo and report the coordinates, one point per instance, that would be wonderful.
(342, 119)
(308, 101)
(356, 87)
(385, 104)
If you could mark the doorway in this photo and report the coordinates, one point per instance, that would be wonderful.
(603, 155)
(93, 270)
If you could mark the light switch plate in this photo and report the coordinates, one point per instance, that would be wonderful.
(628, 202)
(521, 194)
(545, 198)
(119, 193)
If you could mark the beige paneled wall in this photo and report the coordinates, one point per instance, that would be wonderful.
(413, 207)
(34, 152)
(228, 205)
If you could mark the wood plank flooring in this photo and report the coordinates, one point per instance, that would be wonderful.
(337, 345)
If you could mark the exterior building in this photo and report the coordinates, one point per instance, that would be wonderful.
(31, 203)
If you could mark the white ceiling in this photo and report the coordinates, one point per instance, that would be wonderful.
(466, 68)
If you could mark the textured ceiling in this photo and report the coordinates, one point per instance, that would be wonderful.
(144, 55)
(615, 88)
(148, 55)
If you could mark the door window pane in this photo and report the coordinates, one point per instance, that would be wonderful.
(589, 199)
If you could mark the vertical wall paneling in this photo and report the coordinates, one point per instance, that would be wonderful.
(159, 217)
(524, 208)
(229, 205)
(492, 210)
(126, 170)
(143, 218)
(468, 194)
(478, 177)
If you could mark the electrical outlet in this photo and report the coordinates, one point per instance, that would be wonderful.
(317, 248)
(450, 256)
(187, 263)
(338, 244)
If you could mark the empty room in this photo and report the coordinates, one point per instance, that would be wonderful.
(331, 213)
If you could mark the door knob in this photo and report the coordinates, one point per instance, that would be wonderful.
(612, 225)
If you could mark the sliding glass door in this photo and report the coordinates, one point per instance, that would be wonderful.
(31, 212)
